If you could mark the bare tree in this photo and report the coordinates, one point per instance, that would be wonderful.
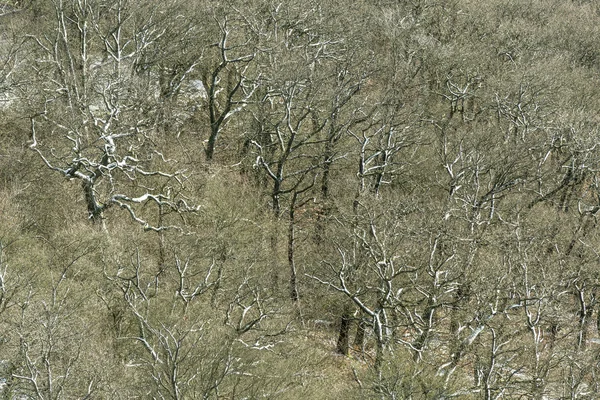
(93, 119)
(227, 83)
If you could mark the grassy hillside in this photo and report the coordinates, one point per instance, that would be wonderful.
(382, 199)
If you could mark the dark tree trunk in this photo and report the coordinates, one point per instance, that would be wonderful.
(291, 261)
(209, 151)
(217, 285)
(359, 339)
(343, 341)
(275, 256)
(93, 208)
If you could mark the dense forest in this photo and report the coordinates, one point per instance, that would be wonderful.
(386, 199)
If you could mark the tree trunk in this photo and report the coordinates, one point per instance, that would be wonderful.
(291, 261)
(93, 208)
(359, 339)
(209, 151)
(275, 256)
(343, 341)
(585, 315)
(422, 340)
(217, 285)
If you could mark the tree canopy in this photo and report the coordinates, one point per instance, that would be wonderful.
(382, 199)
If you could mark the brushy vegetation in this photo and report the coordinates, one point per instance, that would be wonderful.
(322, 200)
